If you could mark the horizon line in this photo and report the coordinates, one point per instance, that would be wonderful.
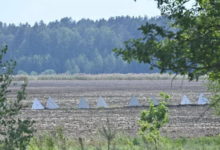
(76, 20)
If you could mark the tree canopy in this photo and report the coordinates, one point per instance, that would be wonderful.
(189, 46)
(68, 46)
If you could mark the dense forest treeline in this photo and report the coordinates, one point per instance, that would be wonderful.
(67, 46)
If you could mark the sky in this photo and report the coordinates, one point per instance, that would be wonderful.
(31, 11)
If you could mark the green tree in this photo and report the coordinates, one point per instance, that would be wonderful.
(152, 120)
(21, 72)
(15, 132)
(110, 63)
(48, 46)
(214, 88)
(191, 46)
(48, 72)
(71, 66)
(98, 63)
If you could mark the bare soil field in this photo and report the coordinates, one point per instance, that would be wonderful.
(116, 92)
(184, 120)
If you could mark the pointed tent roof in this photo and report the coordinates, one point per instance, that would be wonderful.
(154, 100)
(185, 100)
(37, 104)
(51, 104)
(101, 103)
(134, 102)
(202, 100)
(83, 103)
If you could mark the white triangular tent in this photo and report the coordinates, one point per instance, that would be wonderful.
(154, 100)
(51, 104)
(185, 100)
(134, 102)
(202, 100)
(101, 103)
(83, 103)
(37, 104)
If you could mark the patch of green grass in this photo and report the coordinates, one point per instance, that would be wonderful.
(57, 141)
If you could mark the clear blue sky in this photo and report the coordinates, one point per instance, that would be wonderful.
(22, 11)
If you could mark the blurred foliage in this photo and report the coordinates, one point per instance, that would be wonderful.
(152, 120)
(214, 88)
(15, 132)
(190, 46)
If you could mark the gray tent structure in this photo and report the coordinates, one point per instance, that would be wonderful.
(155, 101)
(101, 103)
(51, 104)
(202, 100)
(134, 102)
(83, 103)
(185, 100)
(37, 105)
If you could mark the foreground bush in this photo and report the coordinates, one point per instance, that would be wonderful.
(152, 120)
(15, 133)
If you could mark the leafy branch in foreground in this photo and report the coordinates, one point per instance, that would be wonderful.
(214, 88)
(15, 132)
(191, 46)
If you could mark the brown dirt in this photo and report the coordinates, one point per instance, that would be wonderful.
(116, 92)
(76, 122)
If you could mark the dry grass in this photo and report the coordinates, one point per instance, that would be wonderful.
(154, 76)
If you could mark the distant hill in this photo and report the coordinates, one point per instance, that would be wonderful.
(67, 46)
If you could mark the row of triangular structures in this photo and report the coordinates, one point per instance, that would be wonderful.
(201, 101)
(51, 104)
(100, 103)
(134, 101)
(185, 100)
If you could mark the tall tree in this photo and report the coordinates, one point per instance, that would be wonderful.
(191, 46)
